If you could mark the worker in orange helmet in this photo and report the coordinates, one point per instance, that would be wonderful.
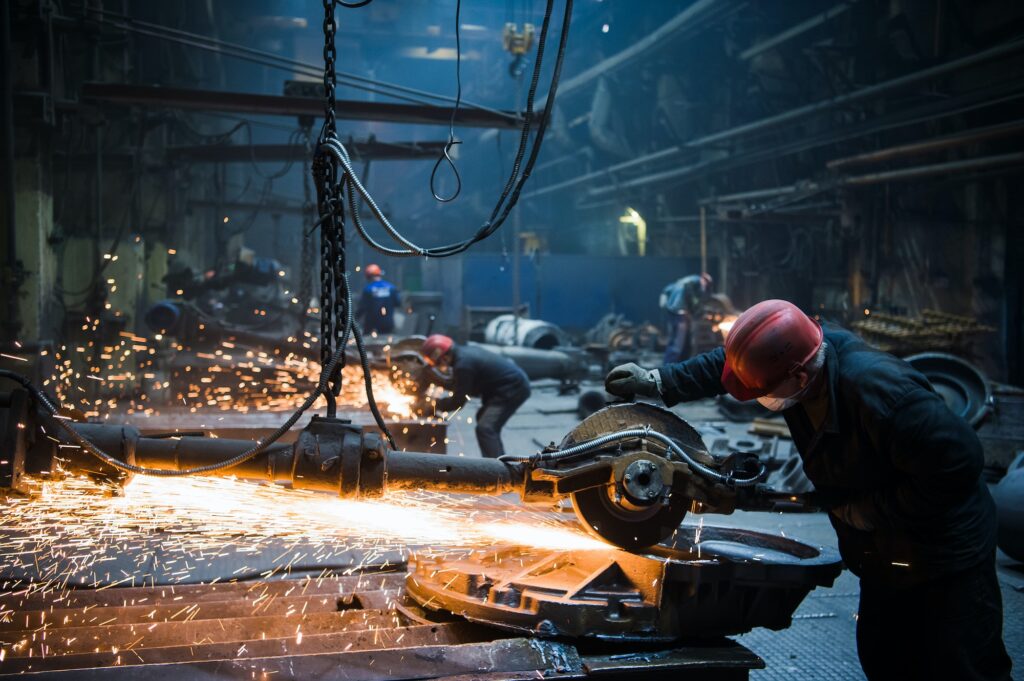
(471, 371)
(376, 309)
(899, 473)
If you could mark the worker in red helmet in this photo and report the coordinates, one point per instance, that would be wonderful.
(899, 473)
(376, 309)
(470, 371)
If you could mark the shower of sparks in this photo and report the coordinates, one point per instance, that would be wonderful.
(125, 377)
(69, 534)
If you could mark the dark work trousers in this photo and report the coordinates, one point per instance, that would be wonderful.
(492, 417)
(948, 628)
(680, 338)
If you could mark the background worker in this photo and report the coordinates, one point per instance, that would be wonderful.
(380, 299)
(683, 301)
(899, 473)
(470, 371)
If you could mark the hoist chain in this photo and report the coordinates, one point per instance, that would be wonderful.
(336, 316)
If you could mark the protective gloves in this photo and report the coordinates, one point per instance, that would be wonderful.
(627, 380)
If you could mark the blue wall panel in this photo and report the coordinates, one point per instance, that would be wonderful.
(575, 291)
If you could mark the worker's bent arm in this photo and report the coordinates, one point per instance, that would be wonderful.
(697, 377)
(938, 460)
(459, 385)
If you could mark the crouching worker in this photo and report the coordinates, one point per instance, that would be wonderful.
(469, 371)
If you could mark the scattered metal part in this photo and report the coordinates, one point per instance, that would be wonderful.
(960, 384)
(705, 581)
(1002, 431)
(1009, 498)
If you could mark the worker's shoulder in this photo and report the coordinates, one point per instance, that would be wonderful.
(471, 354)
(874, 378)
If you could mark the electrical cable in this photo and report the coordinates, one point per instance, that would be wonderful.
(445, 155)
(128, 23)
(513, 187)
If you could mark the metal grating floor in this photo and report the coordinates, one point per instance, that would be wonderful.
(355, 627)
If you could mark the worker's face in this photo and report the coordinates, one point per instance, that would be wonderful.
(792, 391)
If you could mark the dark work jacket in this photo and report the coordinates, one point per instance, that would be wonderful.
(889, 457)
(376, 308)
(481, 373)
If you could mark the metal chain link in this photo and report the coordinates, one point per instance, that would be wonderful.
(306, 256)
(330, 81)
(336, 318)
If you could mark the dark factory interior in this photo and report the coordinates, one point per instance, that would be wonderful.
(512, 339)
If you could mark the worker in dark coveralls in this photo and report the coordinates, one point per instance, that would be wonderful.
(470, 371)
(380, 299)
(899, 473)
(683, 302)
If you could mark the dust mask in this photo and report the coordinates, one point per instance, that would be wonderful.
(783, 403)
(778, 403)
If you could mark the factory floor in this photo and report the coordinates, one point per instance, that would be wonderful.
(821, 643)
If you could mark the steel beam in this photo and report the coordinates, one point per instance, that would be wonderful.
(269, 153)
(278, 105)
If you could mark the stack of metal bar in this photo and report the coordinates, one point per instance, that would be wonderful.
(933, 330)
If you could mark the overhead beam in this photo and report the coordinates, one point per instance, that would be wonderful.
(794, 31)
(267, 153)
(279, 105)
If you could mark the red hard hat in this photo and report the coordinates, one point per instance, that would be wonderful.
(435, 347)
(768, 343)
(373, 270)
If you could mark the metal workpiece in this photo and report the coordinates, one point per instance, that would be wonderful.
(703, 582)
(470, 475)
(633, 471)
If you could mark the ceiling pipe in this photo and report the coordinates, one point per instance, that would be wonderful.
(858, 95)
(799, 29)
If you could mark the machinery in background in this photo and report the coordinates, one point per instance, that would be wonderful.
(1009, 498)
(528, 333)
(995, 411)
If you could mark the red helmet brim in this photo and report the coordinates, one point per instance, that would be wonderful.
(735, 387)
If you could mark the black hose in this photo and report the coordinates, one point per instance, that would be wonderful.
(596, 443)
(513, 187)
(370, 400)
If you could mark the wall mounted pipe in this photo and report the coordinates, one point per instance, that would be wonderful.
(931, 145)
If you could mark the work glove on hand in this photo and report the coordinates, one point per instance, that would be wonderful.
(627, 380)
